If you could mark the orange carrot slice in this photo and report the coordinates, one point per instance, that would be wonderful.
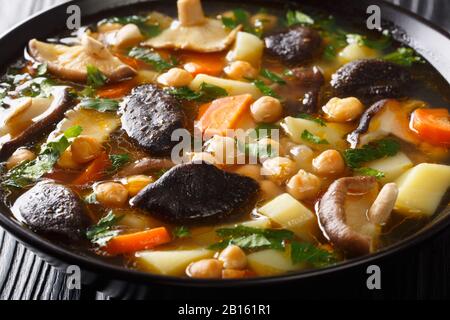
(129, 243)
(206, 63)
(94, 170)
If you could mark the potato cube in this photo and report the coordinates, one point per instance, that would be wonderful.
(247, 47)
(272, 262)
(290, 214)
(421, 189)
(392, 167)
(172, 263)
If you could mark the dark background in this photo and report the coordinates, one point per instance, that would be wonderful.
(420, 273)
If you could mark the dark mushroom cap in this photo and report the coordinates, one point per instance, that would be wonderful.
(198, 193)
(295, 45)
(150, 116)
(52, 209)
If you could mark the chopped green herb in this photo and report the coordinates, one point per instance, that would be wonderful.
(149, 30)
(31, 171)
(380, 44)
(265, 89)
(404, 56)
(41, 69)
(309, 137)
(102, 232)
(101, 105)
(153, 58)
(370, 172)
(181, 232)
(297, 17)
(95, 77)
(241, 17)
(207, 92)
(37, 87)
(355, 158)
(309, 253)
(309, 117)
(253, 238)
(118, 161)
(87, 92)
(272, 76)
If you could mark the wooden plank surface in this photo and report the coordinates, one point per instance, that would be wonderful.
(23, 275)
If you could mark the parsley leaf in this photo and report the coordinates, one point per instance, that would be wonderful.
(309, 117)
(272, 76)
(377, 150)
(297, 17)
(37, 87)
(95, 77)
(265, 89)
(404, 57)
(241, 17)
(252, 238)
(101, 105)
(309, 137)
(31, 171)
(309, 253)
(101, 233)
(153, 58)
(370, 172)
(382, 43)
(207, 92)
(118, 161)
(181, 232)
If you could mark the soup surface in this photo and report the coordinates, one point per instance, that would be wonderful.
(241, 143)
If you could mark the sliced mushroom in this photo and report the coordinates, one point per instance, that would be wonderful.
(381, 209)
(193, 31)
(346, 224)
(386, 117)
(71, 62)
(145, 165)
(29, 118)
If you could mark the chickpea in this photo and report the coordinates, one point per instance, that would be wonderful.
(279, 169)
(269, 190)
(266, 109)
(128, 35)
(269, 147)
(264, 20)
(85, 149)
(250, 170)
(19, 156)
(205, 269)
(111, 194)
(233, 274)
(66, 161)
(233, 258)
(223, 149)
(175, 77)
(343, 110)
(134, 184)
(303, 156)
(304, 185)
(329, 162)
(239, 70)
(203, 156)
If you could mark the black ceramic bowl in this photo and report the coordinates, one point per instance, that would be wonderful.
(432, 42)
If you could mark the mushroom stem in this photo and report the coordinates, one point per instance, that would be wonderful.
(381, 209)
(190, 12)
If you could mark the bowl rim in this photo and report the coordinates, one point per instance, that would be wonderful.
(64, 256)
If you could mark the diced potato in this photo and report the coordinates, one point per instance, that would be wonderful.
(171, 263)
(261, 223)
(332, 132)
(98, 125)
(355, 51)
(271, 262)
(392, 167)
(291, 214)
(146, 76)
(421, 189)
(247, 47)
(233, 87)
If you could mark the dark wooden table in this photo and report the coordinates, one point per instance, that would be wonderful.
(23, 275)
